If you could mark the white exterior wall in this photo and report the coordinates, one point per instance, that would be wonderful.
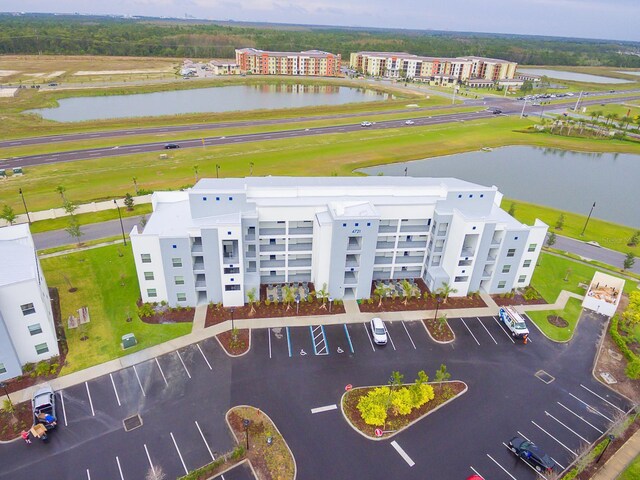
(451, 255)
(321, 251)
(149, 244)
(537, 235)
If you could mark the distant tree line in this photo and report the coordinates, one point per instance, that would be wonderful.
(85, 35)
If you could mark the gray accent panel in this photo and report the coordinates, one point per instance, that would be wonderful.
(183, 251)
(509, 241)
(212, 266)
(481, 257)
(8, 355)
(222, 206)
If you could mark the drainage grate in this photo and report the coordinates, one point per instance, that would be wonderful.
(132, 423)
(545, 377)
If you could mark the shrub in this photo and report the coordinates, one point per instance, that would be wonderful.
(42, 368)
(530, 293)
(28, 367)
(53, 368)
(8, 406)
(145, 310)
(373, 406)
(402, 401)
(633, 369)
(619, 340)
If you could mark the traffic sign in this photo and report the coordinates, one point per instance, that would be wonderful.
(348, 387)
(378, 432)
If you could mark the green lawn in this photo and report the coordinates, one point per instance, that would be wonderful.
(108, 285)
(632, 472)
(571, 314)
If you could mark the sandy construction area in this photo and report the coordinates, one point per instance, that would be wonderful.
(122, 72)
(45, 74)
(6, 73)
(7, 92)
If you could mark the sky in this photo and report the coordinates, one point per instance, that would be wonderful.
(602, 19)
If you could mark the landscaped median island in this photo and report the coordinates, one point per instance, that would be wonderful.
(380, 412)
(14, 418)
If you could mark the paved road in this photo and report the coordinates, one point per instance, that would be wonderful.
(601, 254)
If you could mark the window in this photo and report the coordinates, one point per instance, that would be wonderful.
(28, 309)
(145, 257)
(527, 263)
(230, 288)
(148, 276)
(204, 199)
(179, 280)
(522, 278)
(532, 247)
(42, 348)
(502, 284)
(2, 369)
(151, 292)
(272, 257)
(230, 198)
(232, 270)
(511, 252)
(506, 268)
(35, 329)
(272, 241)
(176, 262)
(460, 279)
(182, 297)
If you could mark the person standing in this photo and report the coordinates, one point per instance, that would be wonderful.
(25, 437)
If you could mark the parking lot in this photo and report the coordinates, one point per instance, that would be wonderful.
(169, 411)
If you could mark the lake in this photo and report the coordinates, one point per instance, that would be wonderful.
(573, 76)
(203, 100)
(566, 180)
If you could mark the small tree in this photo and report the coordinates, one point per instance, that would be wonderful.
(407, 290)
(633, 241)
(128, 201)
(8, 407)
(380, 291)
(560, 222)
(322, 295)
(195, 171)
(251, 296)
(512, 209)
(155, 473)
(73, 229)
(629, 261)
(551, 239)
(69, 207)
(445, 290)
(442, 321)
(135, 184)
(527, 86)
(8, 214)
(61, 189)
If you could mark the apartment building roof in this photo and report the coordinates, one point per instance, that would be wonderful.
(306, 53)
(18, 255)
(486, 59)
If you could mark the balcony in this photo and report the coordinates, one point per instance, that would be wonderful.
(354, 246)
(272, 279)
(387, 229)
(250, 237)
(383, 261)
(350, 278)
(300, 262)
(201, 284)
(467, 252)
(271, 263)
(438, 249)
(251, 254)
(307, 231)
(409, 273)
(486, 274)
(272, 232)
(413, 244)
(352, 263)
(300, 247)
(230, 259)
(196, 248)
(491, 258)
(270, 247)
(385, 245)
(409, 259)
(299, 277)
(416, 227)
(198, 265)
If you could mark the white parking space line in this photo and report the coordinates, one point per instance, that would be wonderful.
(119, 468)
(502, 328)
(602, 398)
(139, 382)
(483, 325)
(568, 428)
(503, 469)
(522, 435)
(557, 462)
(269, 333)
(402, 453)
(115, 390)
(90, 401)
(148, 456)
(64, 413)
(205, 442)
(366, 329)
(326, 408)
(567, 448)
(474, 337)
(476, 472)
(203, 356)
(88, 475)
(389, 335)
(185, 367)
(523, 460)
(161, 372)
(574, 413)
(410, 339)
(186, 471)
(590, 408)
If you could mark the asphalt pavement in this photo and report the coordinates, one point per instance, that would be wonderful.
(593, 252)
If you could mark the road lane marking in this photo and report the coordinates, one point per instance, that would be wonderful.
(161, 372)
(574, 413)
(139, 382)
(567, 448)
(593, 409)
(289, 342)
(93, 413)
(568, 428)
(64, 412)
(502, 328)
(346, 332)
(366, 329)
(88, 475)
(185, 367)
(474, 337)
(114, 390)
(205, 358)
(402, 453)
(269, 333)
(326, 408)
(559, 464)
(186, 471)
(476, 472)
(389, 335)
(484, 326)
(119, 468)
(205, 442)
(522, 435)
(410, 339)
(602, 398)
(503, 469)
(149, 457)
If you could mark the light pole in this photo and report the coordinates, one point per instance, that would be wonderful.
(245, 423)
(435, 317)
(330, 302)
(523, 105)
(124, 239)
(585, 223)
(4, 386)
(217, 171)
(575, 109)
(297, 303)
(232, 324)
(25, 206)
(251, 169)
(611, 439)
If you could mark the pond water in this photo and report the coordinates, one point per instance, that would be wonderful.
(566, 180)
(572, 76)
(628, 73)
(202, 100)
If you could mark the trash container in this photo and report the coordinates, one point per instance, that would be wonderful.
(129, 340)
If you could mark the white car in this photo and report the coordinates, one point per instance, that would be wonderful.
(409, 122)
(366, 124)
(379, 331)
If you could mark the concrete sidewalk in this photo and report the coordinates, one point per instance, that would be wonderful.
(620, 460)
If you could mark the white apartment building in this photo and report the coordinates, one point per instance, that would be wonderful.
(27, 330)
(225, 237)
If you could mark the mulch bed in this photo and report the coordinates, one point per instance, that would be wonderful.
(441, 334)
(166, 314)
(557, 321)
(13, 425)
(395, 422)
(517, 299)
(240, 346)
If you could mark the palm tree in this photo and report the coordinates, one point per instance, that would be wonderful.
(445, 290)
(407, 290)
(289, 296)
(61, 189)
(251, 295)
(322, 295)
(626, 120)
(380, 291)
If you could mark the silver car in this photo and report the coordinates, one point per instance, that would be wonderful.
(379, 331)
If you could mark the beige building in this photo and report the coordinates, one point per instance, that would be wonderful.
(224, 68)
(309, 62)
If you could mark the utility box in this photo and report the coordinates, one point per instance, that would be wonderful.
(129, 340)
(17, 171)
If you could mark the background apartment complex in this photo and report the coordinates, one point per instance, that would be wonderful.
(434, 69)
(225, 237)
(27, 330)
(309, 62)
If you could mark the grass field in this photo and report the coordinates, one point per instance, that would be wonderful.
(571, 313)
(106, 281)
(633, 108)
(632, 472)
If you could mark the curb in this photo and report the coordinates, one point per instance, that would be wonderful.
(225, 350)
(440, 341)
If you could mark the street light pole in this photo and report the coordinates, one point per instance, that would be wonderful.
(245, 423)
(25, 206)
(585, 223)
(4, 386)
(232, 324)
(217, 171)
(124, 239)
(435, 317)
(575, 109)
(523, 105)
